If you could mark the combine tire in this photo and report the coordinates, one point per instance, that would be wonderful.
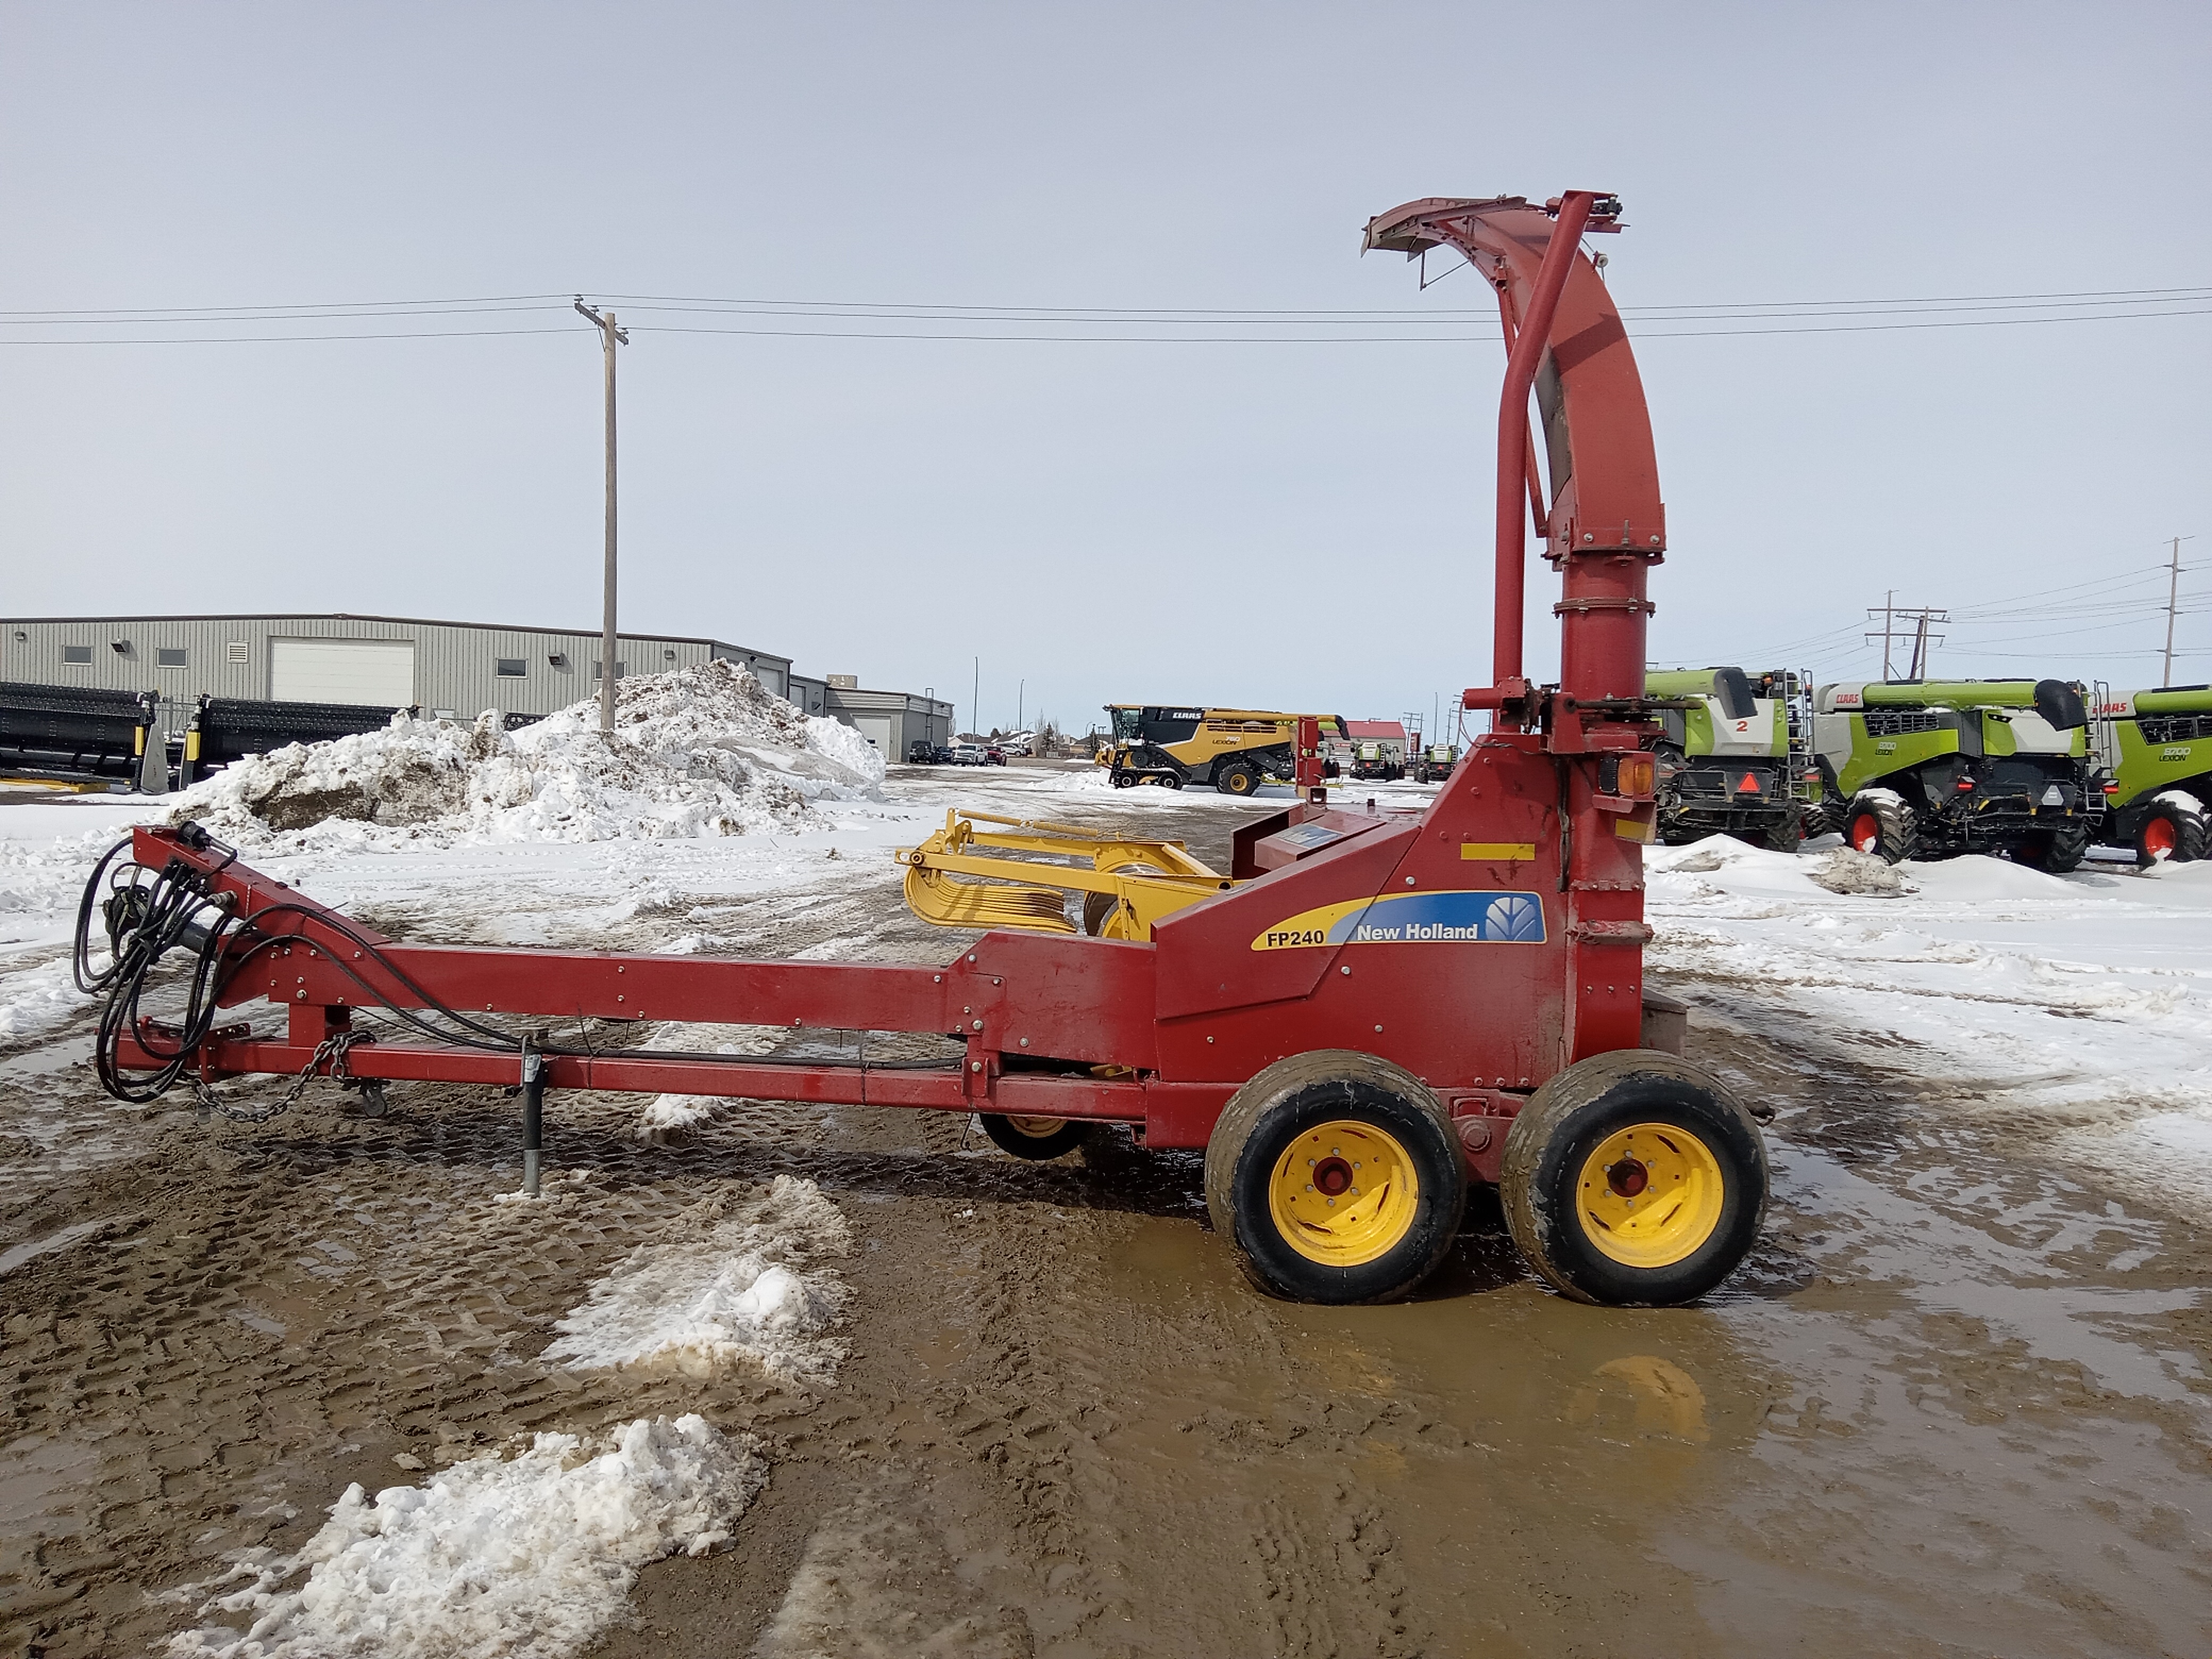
(1888, 827)
(1034, 1138)
(2173, 833)
(1335, 1177)
(1236, 778)
(1124, 779)
(1783, 837)
(2054, 851)
(1634, 1179)
(1168, 780)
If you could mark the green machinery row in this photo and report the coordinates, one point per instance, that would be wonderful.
(2039, 771)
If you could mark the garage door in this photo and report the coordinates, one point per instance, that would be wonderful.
(877, 729)
(378, 672)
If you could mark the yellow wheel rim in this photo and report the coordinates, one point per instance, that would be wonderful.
(1037, 1128)
(1650, 1195)
(1343, 1193)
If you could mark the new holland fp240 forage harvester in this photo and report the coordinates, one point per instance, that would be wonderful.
(1366, 1013)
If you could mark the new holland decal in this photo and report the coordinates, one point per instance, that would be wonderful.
(1487, 917)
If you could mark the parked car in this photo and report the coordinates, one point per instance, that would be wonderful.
(922, 752)
(967, 754)
(994, 755)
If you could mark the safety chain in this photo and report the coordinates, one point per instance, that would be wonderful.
(333, 1052)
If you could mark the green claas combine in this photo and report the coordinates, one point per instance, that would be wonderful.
(1939, 768)
(1724, 760)
(2158, 747)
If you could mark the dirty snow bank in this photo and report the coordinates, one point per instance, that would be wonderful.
(530, 1555)
(2078, 1007)
(697, 752)
(755, 1287)
(45, 857)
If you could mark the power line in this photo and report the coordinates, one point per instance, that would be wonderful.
(286, 339)
(1095, 325)
(256, 310)
(253, 312)
(1075, 339)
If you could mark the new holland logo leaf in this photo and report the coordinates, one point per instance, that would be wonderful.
(1479, 917)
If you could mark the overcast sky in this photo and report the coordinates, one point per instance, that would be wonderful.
(1294, 525)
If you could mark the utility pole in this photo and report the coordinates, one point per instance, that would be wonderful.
(609, 337)
(975, 701)
(2172, 592)
(1922, 618)
(1021, 704)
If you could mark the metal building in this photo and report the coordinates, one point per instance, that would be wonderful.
(892, 721)
(450, 669)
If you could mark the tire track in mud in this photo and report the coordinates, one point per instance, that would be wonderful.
(1067, 1428)
(257, 1316)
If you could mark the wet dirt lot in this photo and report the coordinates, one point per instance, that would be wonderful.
(1956, 1405)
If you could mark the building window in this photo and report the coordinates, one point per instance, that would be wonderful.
(169, 657)
(513, 668)
(80, 654)
(622, 668)
(237, 651)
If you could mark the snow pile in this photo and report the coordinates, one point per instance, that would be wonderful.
(42, 877)
(1709, 854)
(697, 752)
(35, 999)
(1847, 870)
(2075, 1010)
(754, 1289)
(533, 1555)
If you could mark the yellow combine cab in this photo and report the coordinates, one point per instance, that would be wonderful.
(1023, 874)
(1234, 749)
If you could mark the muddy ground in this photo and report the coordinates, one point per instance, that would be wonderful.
(1957, 1404)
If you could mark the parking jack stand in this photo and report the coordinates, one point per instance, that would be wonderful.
(533, 1117)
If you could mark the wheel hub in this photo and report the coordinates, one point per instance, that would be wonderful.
(1628, 1178)
(1650, 1195)
(1343, 1193)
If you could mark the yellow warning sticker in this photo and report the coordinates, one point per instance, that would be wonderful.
(1498, 852)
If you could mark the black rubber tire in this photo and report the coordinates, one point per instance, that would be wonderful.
(1034, 1148)
(2054, 852)
(1666, 762)
(1124, 779)
(1784, 837)
(1236, 778)
(1823, 817)
(1265, 1116)
(1895, 828)
(1568, 1118)
(1168, 779)
(2185, 826)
